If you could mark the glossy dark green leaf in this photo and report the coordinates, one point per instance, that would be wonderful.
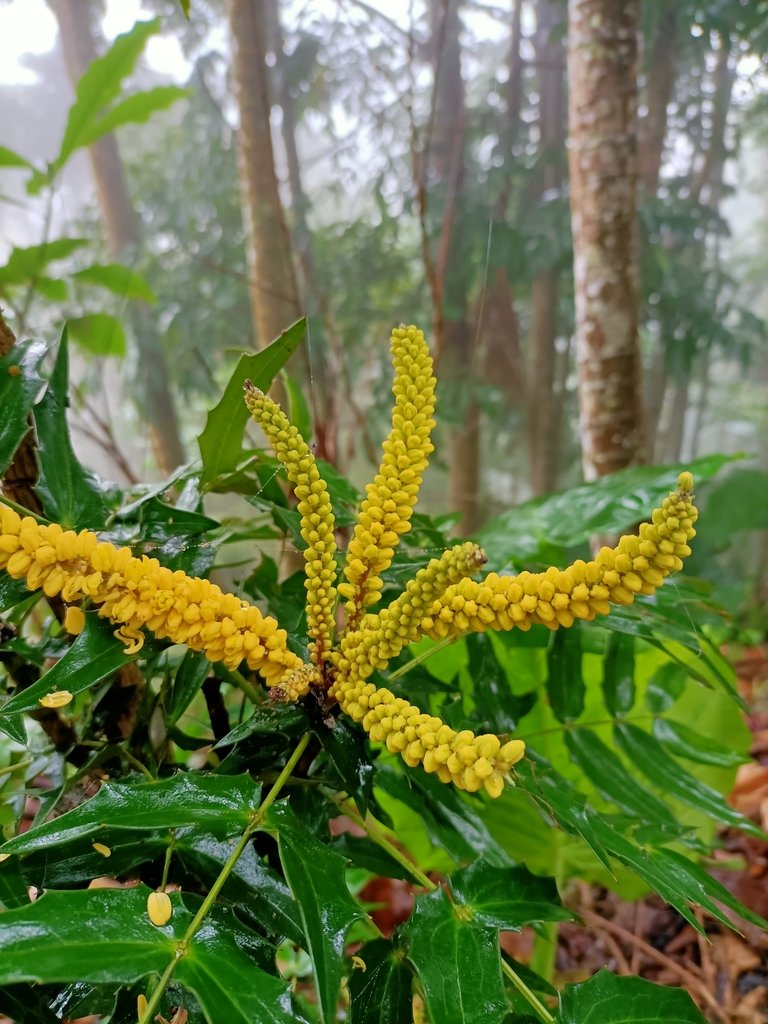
(27, 1003)
(14, 727)
(95, 654)
(507, 898)
(533, 980)
(190, 676)
(362, 853)
(78, 860)
(13, 888)
(606, 999)
(456, 957)
(105, 936)
(381, 993)
(316, 876)
(269, 720)
(220, 804)
(20, 383)
(619, 673)
(610, 505)
(347, 751)
(558, 799)
(565, 682)
(664, 772)
(665, 686)
(611, 777)
(252, 886)
(221, 442)
(118, 279)
(11, 591)
(681, 741)
(98, 333)
(496, 707)
(70, 494)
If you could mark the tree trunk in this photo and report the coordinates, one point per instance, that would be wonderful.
(602, 73)
(271, 276)
(123, 234)
(543, 412)
(452, 334)
(659, 72)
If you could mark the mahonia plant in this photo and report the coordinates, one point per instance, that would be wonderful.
(348, 644)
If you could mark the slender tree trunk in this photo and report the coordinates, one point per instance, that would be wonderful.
(123, 234)
(453, 341)
(660, 72)
(272, 279)
(602, 73)
(544, 418)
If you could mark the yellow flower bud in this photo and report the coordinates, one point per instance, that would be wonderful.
(159, 908)
(102, 849)
(56, 699)
(74, 620)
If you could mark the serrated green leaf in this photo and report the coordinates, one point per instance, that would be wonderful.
(98, 333)
(221, 442)
(316, 876)
(565, 682)
(104, 936)
(507, 898)
(95, 654)
(456, 957)
(20, 383)
(26, 264)
(381, 994)
(12, 591)
(134, 109)
(610, 776)
(362, 853)
(347, 750)
(269, 720)
(558, 799)
(220, 804)
(606, 999)
(78, 861)
(118, 279)
(681, 741)
(253, 886)
(664, 772)
(70, 494)
(619, 673)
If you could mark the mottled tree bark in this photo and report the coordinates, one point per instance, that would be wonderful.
(122, 230)
(544, 419)
(452, 334)
(271, 275)
(602, 73)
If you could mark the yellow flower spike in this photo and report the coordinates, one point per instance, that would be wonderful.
(295, 685)
(379, 638)
(159, 908)
(638, 564)
(56, 699)
(317, 521)
(139, 593)
(385, 513)
(74, 619)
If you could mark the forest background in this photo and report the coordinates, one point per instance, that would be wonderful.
(375, 163)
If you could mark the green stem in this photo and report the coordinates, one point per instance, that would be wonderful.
(377, 833)
(167, 862)
(133, 760)
(419, 658)
(253, 825)
(21, 510)
(9, 769)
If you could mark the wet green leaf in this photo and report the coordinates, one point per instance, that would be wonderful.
(619, 673)
(606, 999)
(381, 993)
(507, 898)
(316, 876)
(70, 494)
(221, 442)
(220, 804)
(565, 682)
(20, 383)
(681, 741)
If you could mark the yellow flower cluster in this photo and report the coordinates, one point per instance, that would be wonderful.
(385, 513)
(317, 521)
(139, 593)
(637, 565)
